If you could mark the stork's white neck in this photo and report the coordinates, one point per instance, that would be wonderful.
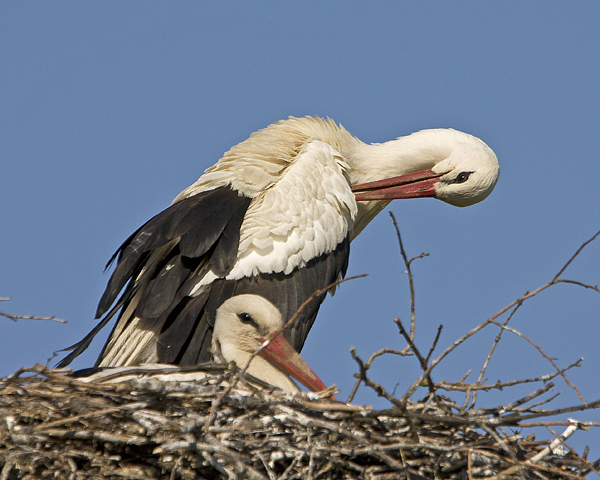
(412, 153)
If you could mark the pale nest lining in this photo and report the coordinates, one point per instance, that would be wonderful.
(53, 426)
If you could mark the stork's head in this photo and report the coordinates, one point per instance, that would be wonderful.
(243, 324)
(452, 166)
(468, 174)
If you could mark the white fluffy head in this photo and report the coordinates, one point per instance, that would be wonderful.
(470, 171)
(242, 321)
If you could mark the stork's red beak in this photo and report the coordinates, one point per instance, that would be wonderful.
(413, 185)
(280, 353)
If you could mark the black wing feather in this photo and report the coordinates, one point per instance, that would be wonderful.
(198, 220)
(161, 290)
(171, 341)
(196, 241)
(203, 217)
(224, 255)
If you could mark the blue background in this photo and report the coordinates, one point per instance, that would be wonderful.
(109, 109)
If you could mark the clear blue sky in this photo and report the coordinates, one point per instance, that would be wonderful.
(109, 109)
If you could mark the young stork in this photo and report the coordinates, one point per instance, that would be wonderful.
(275, 217)
(243, 324)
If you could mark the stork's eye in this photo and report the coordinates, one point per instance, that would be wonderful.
(462, 177)
(246, 318)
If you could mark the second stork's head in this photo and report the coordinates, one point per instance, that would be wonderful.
(243, 324)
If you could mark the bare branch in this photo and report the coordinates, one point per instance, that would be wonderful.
(15, 318)
(478, 386)
(415, 350)
(493, 348)
(580, 284)
(375, 386)
(407, 263)
(367, 365)
(539, 349)
(585, 244)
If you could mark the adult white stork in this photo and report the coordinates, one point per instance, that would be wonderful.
(275, 217)
(243, 324)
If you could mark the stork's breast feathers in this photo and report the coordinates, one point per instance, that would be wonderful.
(305, 214)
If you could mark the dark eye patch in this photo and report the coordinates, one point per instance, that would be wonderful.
(247, 319)
(462, 177)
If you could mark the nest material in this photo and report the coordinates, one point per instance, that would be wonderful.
(54, 426)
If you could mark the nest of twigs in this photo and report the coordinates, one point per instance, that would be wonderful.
(155, 423)
(56, 426)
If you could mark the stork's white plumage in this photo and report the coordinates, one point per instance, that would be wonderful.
(274, 217)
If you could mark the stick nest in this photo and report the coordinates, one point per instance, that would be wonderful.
(146, 423)
(55, 426)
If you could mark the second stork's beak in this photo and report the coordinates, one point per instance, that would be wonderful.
(281, 354)
(413, 185)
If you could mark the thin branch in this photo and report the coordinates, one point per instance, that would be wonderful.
(502, 409)
(492, 349)
(415, 350)
(15, 318)
(580, 284)
(467, 387)
(383, 393)
(585, 244)
(519, 417)
(539, 349)
(407, 263)
(375, 386)
(434, 343)
(367, 365)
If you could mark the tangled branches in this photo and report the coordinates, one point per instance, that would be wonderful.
(149, 428)
(215, 421)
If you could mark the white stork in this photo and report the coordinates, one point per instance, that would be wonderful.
(243, 324)
(275, 217)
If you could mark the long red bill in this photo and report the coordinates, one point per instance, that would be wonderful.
(413, 185)
(282, 354)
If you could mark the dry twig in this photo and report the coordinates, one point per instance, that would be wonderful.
(16, 318)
